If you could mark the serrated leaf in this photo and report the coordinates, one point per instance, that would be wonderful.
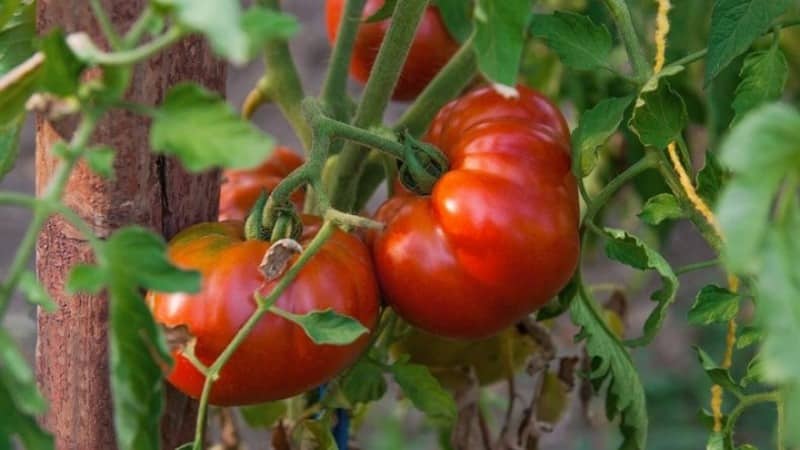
(101, 161)
(425, 392)
(326, 327)
(659, 116)
(219, 137)
(264, 415)
(659, 208)
(717, 374)
(595, 127)
(735, 24)
(714, 304)
(62, 69)
(630, 250)
(749, 336)
(710, 179)
(611, 363)
(457, 17)
(579, 42)
(35, 292)
(363, 383)
(16, 376)
(499, 37)
(764, 76)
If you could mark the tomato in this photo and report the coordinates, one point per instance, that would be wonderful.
(498, 236)
(430, 50)
(450, 359)
(241, 188)
(277, 360)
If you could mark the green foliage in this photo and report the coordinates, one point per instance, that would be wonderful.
(594, 129)
(325, 327)
(363, 383)
(735, 24)
(425, 393)
(630, 250)
(457, 16)
(764, 75)
(714, 304)
(219, 136)
(499, 28)
(35, 293)
(581, 43)
(659, 115)
(710, 179)
(101, 161)
(717, 374)
(659, 208)
(264, 415)
(62, 69)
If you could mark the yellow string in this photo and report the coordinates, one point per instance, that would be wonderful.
(662, 30)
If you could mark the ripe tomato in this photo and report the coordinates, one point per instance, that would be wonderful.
(498, 236)
(450, 359)
(241, 188)
(277, 360)
(430, 50)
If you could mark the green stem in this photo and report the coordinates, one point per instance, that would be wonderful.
(281, 82)
(334, 89)
(744, 403)
(137, 54)
(264, 305)
(622, 17)
(138, 28)
(385, 73)
(597, 203)
(105, 25)
(447, 84)
(13, 198)
(697, 266)
(52, 194)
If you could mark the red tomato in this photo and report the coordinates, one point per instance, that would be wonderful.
(241, 188)
(277, 360)
(498, 236)
(430, 50)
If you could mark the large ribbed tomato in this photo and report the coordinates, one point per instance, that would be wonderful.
(241, 188)
(498, 236)
(277, 360)
(430, 50)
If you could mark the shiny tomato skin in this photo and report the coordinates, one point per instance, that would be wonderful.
(277, 360)
(430, 50)
(498, 236)
(240, 188)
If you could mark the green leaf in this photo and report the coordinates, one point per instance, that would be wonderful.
(612, 363)
(659, 208)
(218, 137)
(16, 36)
(320, 431)
(710, 179)
(16, 46)
(325, 327)
(754, 373)
(218, 20)
(425, 392)
(363, 383)
(9, 145)
(101, 161)
(264, 415)
(717, 374)
(748, 336)
(714, 304)
(744, 207)
(35, 293)
(764, 76)
(17, 376)
(659, 116)
(24, 426)
(630, 250)
(457, 17)
(735, 24)
(716, 441)
(86, 278)
(263, 25)
(579, 42)
(499, 37)
(62, 69)
(595, 127)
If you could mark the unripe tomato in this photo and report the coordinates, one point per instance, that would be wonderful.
(449, 360)
(430, 50)
(498, 236)
(240, 188)
(277, 360)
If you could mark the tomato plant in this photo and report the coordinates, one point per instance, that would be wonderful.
(540, 148)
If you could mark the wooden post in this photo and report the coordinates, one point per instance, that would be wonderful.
(151, 190)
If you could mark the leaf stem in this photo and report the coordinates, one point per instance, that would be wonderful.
(127, 57)
(264, 305)
(600, 200)
(105, 25)
(697, 266)
(622, 17)
(138, 28)
(380, 85)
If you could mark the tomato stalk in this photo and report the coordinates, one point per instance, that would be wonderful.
(264, 305)
(622, 17)
(382, 80)
(334, 88)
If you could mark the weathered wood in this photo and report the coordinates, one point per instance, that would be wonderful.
(71, 355)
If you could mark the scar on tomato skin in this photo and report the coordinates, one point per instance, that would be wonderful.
(277, 258)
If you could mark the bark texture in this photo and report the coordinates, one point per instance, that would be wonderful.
(150, 190)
